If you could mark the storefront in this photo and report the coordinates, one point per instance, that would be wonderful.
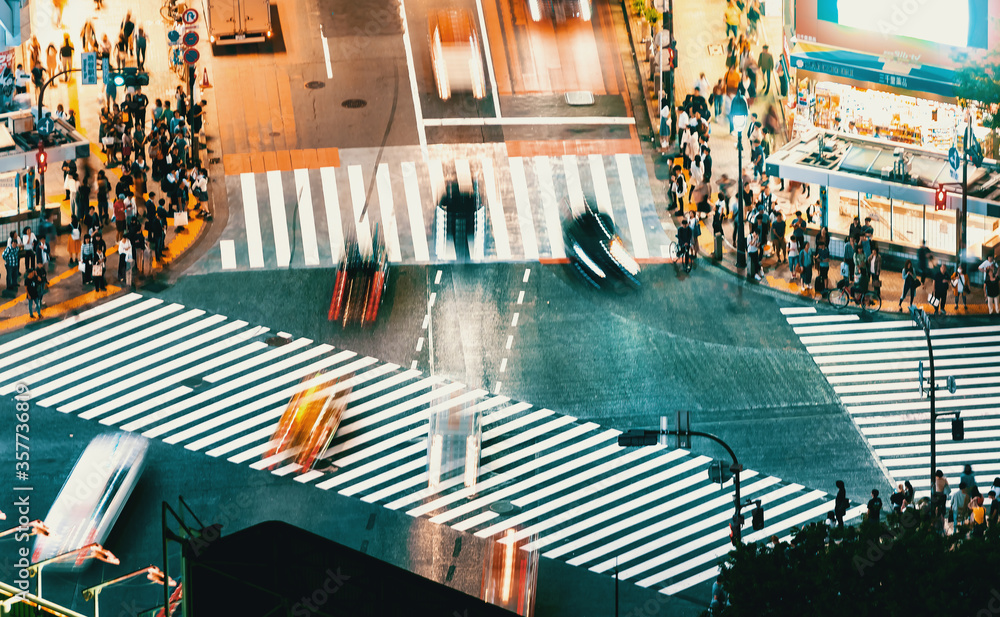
(854, 178)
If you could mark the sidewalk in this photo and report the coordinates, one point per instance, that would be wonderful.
(701, 40)
(65, 291)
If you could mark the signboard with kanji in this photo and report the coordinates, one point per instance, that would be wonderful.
(88, 68)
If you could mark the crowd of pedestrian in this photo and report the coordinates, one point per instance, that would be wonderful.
(963, 510)
(152, 169)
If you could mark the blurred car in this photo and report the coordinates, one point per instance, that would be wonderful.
(92, 498)
(361, 283)
(597, 252)
(454, 444)
(309, 423)
(455, 53)
(464, 218)
(510, 573)
(559, 10)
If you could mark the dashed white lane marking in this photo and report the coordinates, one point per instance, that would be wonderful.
(413, 365)
(433, 298)
(427, 319)
(228, 248)
(527, 273)
(798, 310)
(520, 297)
(503, 365)
(510, 341)
(513, 322)
(437, 278)
(420, 343)
(496, 388)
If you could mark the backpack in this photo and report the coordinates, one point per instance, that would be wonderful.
(843, 269)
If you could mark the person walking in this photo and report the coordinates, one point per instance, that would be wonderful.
(66, 53)
(940, 493)
(991, 287)
(909, 284)
(138, 242)
(733, 17)
(806, 259)
(52, 60)
(765, 62)
(969, 478)
(822, 267)
(140, 48)
(28, 242)
(128, 29)
(778, 238)
(32, 286)
(924, 262)
(941, 283)
(960, 282)
(840, 504)
(97, 272)
(753, 252)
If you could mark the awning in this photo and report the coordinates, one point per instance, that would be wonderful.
(866, 67)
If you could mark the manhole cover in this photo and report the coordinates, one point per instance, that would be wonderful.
(154, 287)
(277, 341)
(315, 85)
(192, 382)
(354, 103)
(503, 507)
(275, 133)
(214, 161)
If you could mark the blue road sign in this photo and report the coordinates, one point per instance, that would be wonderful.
(106, 69)
(88, 68)
(953, 157)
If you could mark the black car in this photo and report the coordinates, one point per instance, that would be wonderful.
(461, 211)
(596, 250)
(361, 283)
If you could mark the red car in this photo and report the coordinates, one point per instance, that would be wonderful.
(361, 283)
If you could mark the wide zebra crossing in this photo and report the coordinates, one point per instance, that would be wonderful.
(218, 386)
(873, 368)
(300, 218)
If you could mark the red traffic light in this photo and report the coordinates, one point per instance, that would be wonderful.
(941, 199)
(41, 159)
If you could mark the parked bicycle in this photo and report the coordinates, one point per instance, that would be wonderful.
(845, 294)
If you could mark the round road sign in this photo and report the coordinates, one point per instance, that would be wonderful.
(191, 56)
(173, 36)
(190, 16)
(190, 39)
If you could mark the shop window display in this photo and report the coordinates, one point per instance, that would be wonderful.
(982, 234)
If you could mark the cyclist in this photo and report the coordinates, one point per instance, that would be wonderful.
(684, 236)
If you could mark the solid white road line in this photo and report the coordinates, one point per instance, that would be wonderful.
(354, 412)
(857, 325)
(572, 171)
(361, 223)
(255, 245)
(227, 248)
(307, 222)
(475, 521)
(54, 342)
(498, 220)
(489, 57)
(522, 436)
(869, 345)
(600, 178)
(463, 174)
(798, 310)
(389, 228)
(532, 121)
(525, 218)
(331, 202)
(581, 497)
(412, 72)
(913, 333)
(632, 213)
(435, 171)
(574, 453)
(525, 420)
(503, 462)
(415, 212)
(617, 505)
(394, 469)
(276, 197)
(550, 208)
(503, 413)
(326, 52)
(822, 319)
(246, 365)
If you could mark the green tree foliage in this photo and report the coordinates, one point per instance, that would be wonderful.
(981, 83)
(903, 567)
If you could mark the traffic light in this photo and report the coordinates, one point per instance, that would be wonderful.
(637, 437)
(719, 472)
(41, 159)
(757, 519)
(957, 429)
(940, 198)
(736, 530)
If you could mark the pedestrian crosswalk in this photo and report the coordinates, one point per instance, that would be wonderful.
(218, 386)
(873, 368)
(300, 218)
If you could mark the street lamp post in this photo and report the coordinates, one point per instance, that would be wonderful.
(739, 112)
(153, 573)
(99, 552)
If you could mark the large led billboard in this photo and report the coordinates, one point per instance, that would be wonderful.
(958, 23)
(945, 33)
